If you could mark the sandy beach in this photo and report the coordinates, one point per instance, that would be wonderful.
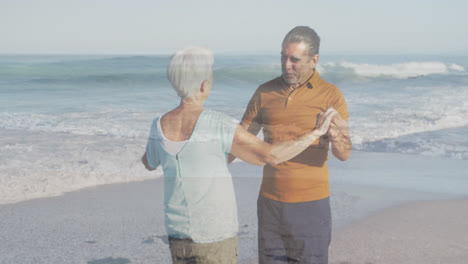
(424, 232)
(124, 223)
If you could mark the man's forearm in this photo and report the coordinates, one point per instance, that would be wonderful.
(341, 147)
(340, 138)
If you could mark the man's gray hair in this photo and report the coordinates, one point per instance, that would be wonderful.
(305, 34)
(188, 69)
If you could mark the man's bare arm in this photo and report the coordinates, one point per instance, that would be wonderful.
(340, 138)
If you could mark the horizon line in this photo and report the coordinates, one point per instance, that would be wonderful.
(259, 53)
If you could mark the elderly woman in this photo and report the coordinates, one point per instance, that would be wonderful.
(192, 145)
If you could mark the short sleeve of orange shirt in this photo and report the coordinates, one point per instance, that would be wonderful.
(285, 114)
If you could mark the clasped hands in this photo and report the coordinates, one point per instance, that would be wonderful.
(331, 122)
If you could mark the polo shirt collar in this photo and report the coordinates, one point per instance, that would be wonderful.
(313, 80)
(310, 83)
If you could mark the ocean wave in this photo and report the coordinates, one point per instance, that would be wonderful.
(42, 164)
(150, 69)
(344, 71)
(398, 71)
(119, 79)
(449, 143)
(373, 117)
(398, 128)
(120, 123)
(76, 69)
(130, 61)
(253, 74)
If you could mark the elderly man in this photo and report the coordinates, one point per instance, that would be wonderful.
(294, 216)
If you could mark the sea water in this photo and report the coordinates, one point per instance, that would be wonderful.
(69, 122)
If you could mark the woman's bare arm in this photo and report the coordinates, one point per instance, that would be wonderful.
(254, 150)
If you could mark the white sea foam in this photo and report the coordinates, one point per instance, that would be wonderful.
(456, 67)
(48, 154)
(107, 122)
(41, 164)
(399, 70)
(435, 109)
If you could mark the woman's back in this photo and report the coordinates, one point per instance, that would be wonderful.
(178, 124)
(199, 195)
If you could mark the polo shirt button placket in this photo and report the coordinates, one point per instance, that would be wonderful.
(287, 102)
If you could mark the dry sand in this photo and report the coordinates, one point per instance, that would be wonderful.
(424, 232)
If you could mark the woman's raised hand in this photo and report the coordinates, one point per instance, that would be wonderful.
(324, 119)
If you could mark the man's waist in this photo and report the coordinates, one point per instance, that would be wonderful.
(298, 167)
(296, 196)
(295, 183)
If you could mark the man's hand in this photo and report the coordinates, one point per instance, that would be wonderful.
(338, 134)
(324, 120)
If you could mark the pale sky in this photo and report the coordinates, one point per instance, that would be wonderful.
(162, 27)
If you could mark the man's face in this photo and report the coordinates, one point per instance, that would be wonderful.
(296, 64)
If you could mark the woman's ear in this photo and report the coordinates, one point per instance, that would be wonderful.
(204, 86)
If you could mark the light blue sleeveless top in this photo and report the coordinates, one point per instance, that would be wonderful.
(198, 192)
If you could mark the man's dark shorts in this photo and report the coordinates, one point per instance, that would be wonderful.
(293, 232)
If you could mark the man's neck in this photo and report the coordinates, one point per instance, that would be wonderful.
(294, 86)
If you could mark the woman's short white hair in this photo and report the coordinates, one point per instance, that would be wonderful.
(188, 69)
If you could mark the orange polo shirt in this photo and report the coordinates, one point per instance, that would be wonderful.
(284, 115)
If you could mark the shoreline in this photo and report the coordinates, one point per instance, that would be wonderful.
(361, 169)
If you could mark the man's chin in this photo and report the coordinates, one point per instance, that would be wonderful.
(290, 81)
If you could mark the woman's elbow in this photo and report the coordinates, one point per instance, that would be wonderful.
(144, 160)
(149, 168)
(260, 161)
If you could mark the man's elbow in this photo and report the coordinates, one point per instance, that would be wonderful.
(342, 155)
